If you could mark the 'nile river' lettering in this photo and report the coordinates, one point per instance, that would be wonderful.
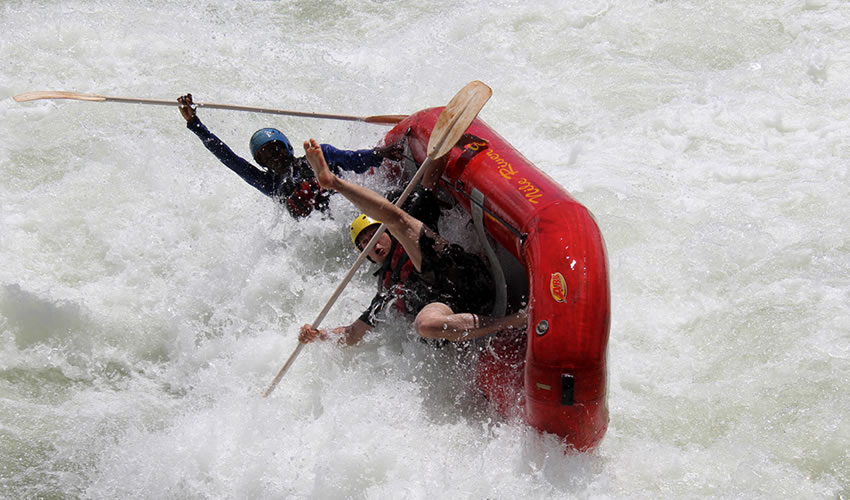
(507, 171)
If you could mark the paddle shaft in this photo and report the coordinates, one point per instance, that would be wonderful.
(381, 119)
(377, 119)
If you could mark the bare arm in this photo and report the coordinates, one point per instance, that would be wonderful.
(404, 227)
(438, 321)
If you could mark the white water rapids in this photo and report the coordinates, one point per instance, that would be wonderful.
(148, 295)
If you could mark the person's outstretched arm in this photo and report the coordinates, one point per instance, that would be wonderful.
(260, 179)
(403, 226)
(438, 321)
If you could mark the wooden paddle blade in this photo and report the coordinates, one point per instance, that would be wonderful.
(385, 119)
(56, 94)
(457, 117)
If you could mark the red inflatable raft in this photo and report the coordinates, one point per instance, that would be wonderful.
(551, 256)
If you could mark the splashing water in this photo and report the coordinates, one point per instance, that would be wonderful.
(148, 295)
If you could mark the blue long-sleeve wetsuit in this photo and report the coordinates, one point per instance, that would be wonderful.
(299, 191)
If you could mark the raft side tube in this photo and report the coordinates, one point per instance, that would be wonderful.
(565, 374)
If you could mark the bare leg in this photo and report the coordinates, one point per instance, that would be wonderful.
(404, 227)
(438, 321)
(433, 172)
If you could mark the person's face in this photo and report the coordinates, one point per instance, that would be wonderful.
(274, 156)
(382, 248)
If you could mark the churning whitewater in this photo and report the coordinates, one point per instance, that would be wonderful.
(148, 295)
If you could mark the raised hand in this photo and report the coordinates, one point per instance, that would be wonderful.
(187, 107)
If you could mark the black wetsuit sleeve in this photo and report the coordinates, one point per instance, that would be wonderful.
(262, 180)
(379, 303)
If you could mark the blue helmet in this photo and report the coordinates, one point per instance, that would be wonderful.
(265, 136)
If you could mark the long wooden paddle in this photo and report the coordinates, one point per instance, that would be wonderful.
(49, 94)
(450, 126)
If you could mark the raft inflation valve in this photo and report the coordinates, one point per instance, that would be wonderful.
(542, 328)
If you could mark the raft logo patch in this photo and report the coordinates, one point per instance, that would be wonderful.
(558, 287)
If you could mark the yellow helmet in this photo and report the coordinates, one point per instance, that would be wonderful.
(362, 222)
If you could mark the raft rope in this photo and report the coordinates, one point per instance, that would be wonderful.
(519, 234)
